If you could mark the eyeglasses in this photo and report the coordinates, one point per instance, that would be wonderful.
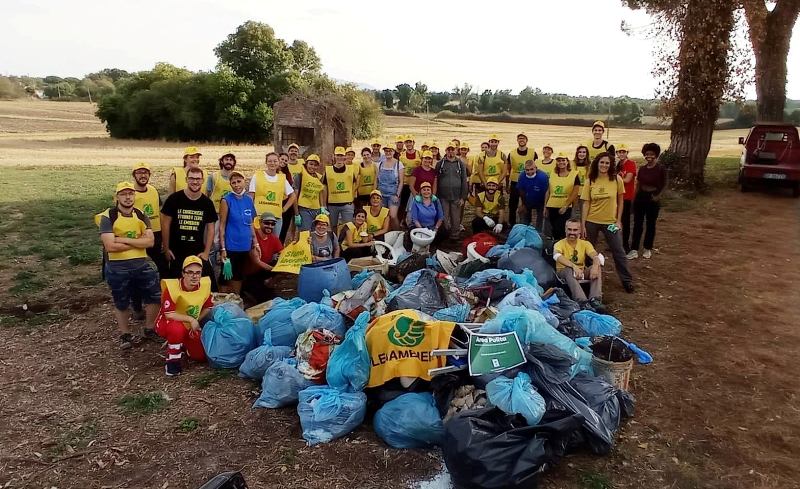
(193, 274)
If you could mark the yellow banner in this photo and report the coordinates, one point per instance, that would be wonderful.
(295, 255)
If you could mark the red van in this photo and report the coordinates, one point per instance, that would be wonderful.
(771, 155)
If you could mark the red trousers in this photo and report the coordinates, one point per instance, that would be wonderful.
(179, 338)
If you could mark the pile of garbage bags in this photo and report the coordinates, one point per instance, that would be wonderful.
(496, 430)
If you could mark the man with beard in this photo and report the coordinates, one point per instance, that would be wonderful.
(191, 159)
(296, 163)
(516, 166)
(187, 226)
(126, 234)
(263, 257)
(217, 187)
(452, 189)
(490, 209)
(570, 255)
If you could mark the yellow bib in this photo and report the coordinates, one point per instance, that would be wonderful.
(311, 187)
(518, 163)
(582, 173)
(221, 188)
(473, 163)
(490, 207)
(187, 302)
(269, 195)
(296, 167)
(126, 227)
(596, 151)
(180, 178)
(148, 203)
(560, 188)
(548, 168)
(375, 223)
(410, 163)
(366, 179)
(356, 233)
(492, 165)
(340, 185)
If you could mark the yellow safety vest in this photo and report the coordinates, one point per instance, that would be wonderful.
(340, 185)
(473, 164)
(180, 177)
(366, 179)
(490, 207)
(127, 227)
(188, 302)
(269, 195)
(518, 163)
(493, 165)
(410, 163)
(296, 167)
(149, 204)
(596, 151)
(375, 223)
(582, 170)
(548, 168)
(310, 188)
(560, 188)
(356, 233)
(221, 188)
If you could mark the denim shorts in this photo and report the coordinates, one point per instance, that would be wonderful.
(125, 276)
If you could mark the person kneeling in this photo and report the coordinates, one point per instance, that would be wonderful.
(489, 209)
(570, 255)
(263, 256)
(185, 302)
(426, 212)
(356, 242)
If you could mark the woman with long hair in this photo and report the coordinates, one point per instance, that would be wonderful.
(288, 215)
(602, 197)
(581, 163)
(356, 242)
(271, 190)
(562, 193)
(651, 182)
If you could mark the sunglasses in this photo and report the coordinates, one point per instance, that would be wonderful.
(269, 224)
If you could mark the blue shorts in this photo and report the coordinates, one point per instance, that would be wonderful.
(125, 276)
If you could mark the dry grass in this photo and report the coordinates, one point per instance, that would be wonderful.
(58, 133)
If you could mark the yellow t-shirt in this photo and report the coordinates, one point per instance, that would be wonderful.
(375, 223)
(149, 203)
(560, 188)
(602, 199)
(410, 163)
(596, 151)
(491, 208)
(576, 255)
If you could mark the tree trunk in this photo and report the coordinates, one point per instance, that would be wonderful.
(770, 35)
(702, 76)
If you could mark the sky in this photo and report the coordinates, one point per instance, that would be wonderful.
(559, 47)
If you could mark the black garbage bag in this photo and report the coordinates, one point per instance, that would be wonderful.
(601, 410)
(468, 268)
(426, 295)
(533, 260)
(443, 387)
(411, 264)
(565, 308)
(489, 449)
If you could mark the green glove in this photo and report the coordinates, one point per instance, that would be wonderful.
(298, 220)
(227, 269)
(324, 211)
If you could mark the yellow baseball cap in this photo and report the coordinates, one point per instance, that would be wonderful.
(426, 144)
(322, 218)
(313, 157)
(548, 145)
(435, 145)
(192, 150)
(622, 147)
(140, 166)
(125, 186)
(493, 180)
(388, 145)
(293, 145)
(451, 144)
(399, 138)
(408, 137)
(376, 192)
(522, 134)
(562, 155)
(376, 142)
(599, 123)
(350, 150)
(192, 260)
(464, 145)
(427, 154)
(493, 137)
(339, 151)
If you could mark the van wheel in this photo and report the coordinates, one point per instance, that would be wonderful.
(796, 190)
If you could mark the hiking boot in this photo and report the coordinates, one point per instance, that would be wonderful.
(150, 334)
(647, 253)
(126, 341)
(597, 305)
(633, 254)
(138, 315)
(628, 287)
(173, 369)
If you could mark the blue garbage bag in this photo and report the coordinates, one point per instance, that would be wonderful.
(457, 313)
(360, 278)
(279, 320)
(524, 236)
(327, 413)
(597, 324)
(526, 279)
(531, 327)
(410, 421)
(318, 316)
(228, 310)
(526, 297)
(517, 396)
(281, 384)
(227, 338)
(349, 364)
(258, 360)
(498, 251)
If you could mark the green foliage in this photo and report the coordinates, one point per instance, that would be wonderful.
(794, 117)
(76, 439)
(627, 112)
(403, 92)
(207, 379)
(187, 425)
(746, 116)
(594, 480)
(11, 88)
(143, 403)
(387, 97)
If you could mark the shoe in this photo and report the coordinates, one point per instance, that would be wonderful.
(628, 287)
(173, 369)
(597, 305)
(647, 253)
(633, 254)
(150, 334)
(126, 341)
(138, 315)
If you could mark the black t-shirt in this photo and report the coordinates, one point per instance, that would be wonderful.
(189, 217)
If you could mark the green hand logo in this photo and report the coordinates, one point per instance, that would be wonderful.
(131, 234)
(559, 190)
(407, 332)
(270, 196)
(193, 311)
(148, 210)
(368, 179)
(339, 185)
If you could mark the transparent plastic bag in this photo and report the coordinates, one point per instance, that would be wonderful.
(327, 413)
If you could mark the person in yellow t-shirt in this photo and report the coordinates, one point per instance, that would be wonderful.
(341, 184)
(149, 202)
(599, 145)
(191, 159)
(602, 211)
(492, 162)
(548, 164)
(295, 163)
(562, 192)
(367, 177)
(378, 219)
(356, 241)
(410, 158)
(515, 166)
(571, 254)
(310, 191)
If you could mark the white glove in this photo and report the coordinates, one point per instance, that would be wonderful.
(488, 220)
(498, 228)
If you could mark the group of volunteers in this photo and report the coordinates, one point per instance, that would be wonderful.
(219, 231)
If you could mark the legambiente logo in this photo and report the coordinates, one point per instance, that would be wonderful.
(407, 332)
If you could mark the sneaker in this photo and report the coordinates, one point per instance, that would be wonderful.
(633, 254)
(597, 305)
(647, 253)
(126, 341)
(150, 334)
(138, 315)
(173, 369)
(628, 287)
